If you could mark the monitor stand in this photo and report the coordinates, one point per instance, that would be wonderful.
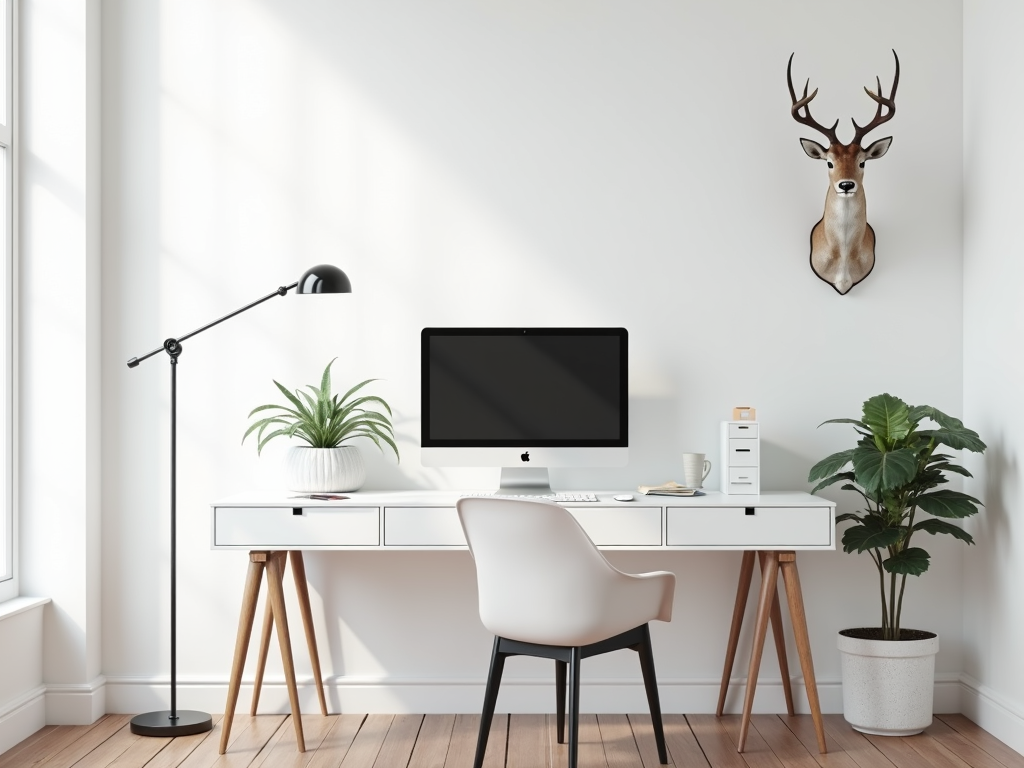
(524, 481)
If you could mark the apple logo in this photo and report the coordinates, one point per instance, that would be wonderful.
(525, 456)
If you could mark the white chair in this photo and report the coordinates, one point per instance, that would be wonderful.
(545, 590)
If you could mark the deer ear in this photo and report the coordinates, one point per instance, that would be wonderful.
(878, 148)
(813, 149)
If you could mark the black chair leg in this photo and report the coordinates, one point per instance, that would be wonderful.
(574, 706)
(560, 700)
(651, 684)
(490, 700)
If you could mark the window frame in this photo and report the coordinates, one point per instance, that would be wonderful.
(9, 582)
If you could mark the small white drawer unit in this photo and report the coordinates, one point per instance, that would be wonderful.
(740, 466)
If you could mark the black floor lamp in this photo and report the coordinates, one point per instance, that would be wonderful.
(181, 722)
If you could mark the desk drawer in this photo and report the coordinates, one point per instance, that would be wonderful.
(422, 527)
(733, 528)
(280, 528)
(615, 526)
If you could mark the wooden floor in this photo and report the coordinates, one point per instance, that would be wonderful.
(519, 741)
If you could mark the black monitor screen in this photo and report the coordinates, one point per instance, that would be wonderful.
(506, 387)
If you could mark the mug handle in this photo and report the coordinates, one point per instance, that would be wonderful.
(707, 470)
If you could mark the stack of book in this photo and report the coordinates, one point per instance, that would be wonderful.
(671, 488)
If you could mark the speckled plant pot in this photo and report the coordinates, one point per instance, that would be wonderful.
(324, 470)
(888, 686)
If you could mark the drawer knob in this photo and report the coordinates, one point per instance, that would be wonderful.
(296, 510)
(748, 511)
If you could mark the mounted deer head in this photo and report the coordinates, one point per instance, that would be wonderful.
(843, 243)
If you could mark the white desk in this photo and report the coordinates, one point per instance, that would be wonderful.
(770, 527)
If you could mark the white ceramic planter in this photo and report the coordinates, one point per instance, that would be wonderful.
(324, 470)
(888, 686)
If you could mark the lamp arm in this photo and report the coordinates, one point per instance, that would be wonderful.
(173, 346)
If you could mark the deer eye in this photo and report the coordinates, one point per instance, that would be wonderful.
(830, 164)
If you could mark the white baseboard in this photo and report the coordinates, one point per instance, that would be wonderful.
(21, 718)
(76, 704)
(421, 696)
(1002, 718)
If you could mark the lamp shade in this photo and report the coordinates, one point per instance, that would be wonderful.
(324, 278)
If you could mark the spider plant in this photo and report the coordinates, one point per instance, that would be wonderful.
(324, 420)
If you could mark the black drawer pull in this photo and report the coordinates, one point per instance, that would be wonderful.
(748, 511)
(296, 510)
(742, 450)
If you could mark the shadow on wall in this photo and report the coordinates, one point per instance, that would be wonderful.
(991, 528)
(783, 469)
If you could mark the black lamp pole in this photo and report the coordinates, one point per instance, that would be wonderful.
(182, 722)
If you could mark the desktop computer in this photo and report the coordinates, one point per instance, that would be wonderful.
(524, 400)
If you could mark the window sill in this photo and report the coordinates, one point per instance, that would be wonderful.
(18, 605)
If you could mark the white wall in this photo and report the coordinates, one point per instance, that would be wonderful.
(993, 369)
(508, 163)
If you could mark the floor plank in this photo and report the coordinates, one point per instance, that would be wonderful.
(106, 727)
(790, 751)
(431, 748)
(974, 733)
(336, 745)
(714, 740)
(517, 741)
(281, 751)
(620, 749)
(527, 742)
(802, 726)
(683, 749)
(756, 752)
(854, 743)
(464, 738)
(368, 741)
(397, 746)
(175, 753)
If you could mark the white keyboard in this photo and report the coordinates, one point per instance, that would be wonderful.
(559, 497)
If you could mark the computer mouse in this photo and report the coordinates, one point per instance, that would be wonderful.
(624, 497)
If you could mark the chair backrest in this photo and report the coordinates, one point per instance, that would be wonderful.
(539, 576)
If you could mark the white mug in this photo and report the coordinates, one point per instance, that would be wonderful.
(695, 470)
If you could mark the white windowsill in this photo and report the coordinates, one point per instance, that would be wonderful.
(18, 605)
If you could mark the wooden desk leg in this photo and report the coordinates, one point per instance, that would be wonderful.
(257, 562)
(780, 646)
(769, 583)
(261, 659)
(803, 643)
(275, 580)
(742, 590)
(302, 590)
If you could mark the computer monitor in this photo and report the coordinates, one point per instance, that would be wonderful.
(525, 399)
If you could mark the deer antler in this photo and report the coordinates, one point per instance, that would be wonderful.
(889, 103)
(804, 104)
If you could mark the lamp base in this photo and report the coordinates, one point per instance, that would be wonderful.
(186, 722)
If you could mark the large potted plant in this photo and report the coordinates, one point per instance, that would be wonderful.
(899, 472)
(324, 421)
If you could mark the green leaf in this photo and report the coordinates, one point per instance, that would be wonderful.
(830, 465)
(958, 439)
(933, 526)
(940, 418)
(845, 421)
(948, 503)
(847, 516)
(877, 471)
(832, 480)
(871, 533)
(887, 417)
(945, 466)
(912, 561)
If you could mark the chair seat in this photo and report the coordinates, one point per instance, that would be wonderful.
(545, 590)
